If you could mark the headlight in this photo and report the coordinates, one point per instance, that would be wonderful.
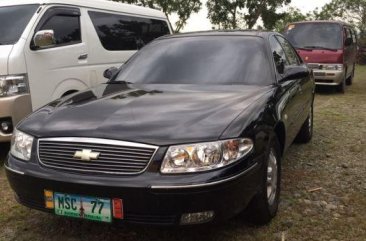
(205, 156)
(13, 85)
(21, 145)
(333, 67)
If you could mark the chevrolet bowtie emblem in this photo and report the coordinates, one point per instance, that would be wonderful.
(86, 155)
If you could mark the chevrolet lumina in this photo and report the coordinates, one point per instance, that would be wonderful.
(191, 130)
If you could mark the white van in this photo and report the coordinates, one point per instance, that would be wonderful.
(51, 48)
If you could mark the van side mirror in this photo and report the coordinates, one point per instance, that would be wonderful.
(348, 42)
(44, 39)
(295, 72)
(109, 73)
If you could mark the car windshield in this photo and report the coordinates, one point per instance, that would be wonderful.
(315, 35)
(201, 60)
(13, 20)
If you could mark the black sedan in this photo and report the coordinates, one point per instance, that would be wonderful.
(192, 129)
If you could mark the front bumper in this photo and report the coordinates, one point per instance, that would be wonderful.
(149, 198)
(328, 77)
(14, 108)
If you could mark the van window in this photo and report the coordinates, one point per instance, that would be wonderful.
(354, 36)
(66, 28)
(13, 21)
(120, 32)
(315, 35)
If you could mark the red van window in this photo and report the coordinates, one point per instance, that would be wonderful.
(315, 35)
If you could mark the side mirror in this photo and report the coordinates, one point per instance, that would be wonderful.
(295, 72)
(109, 73)
(348, 42)
(44, 39)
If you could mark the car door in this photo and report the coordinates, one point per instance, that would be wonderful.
(349, 51)
(354, 50)
(287, 108)
(305, 86)
(60, 68)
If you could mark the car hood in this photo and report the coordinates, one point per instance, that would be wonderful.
(5, 51)
(151, 114)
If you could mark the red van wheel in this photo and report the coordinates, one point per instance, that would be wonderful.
(350, 79)
(341, 88)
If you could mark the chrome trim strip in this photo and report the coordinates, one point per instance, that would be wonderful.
(12, 170)
(206, 184)
(97, 141)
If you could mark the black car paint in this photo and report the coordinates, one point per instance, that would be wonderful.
(165, 115)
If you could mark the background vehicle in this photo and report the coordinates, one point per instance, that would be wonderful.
(189, 131)
(329, 48)
(51, 48)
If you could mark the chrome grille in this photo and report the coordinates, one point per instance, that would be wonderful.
(315, 66)
(115, 157)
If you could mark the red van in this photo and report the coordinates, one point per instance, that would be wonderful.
(328, 47)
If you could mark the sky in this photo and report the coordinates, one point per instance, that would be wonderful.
(199, 21)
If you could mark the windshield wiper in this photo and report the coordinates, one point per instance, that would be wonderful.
(319, 47)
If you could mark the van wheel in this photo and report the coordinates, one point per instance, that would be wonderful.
(341, 88)
(350, 79)
(263, 207)
(306, 132)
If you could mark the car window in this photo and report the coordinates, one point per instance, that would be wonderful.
(201, 60)
(278, 53)
(289, 51)
(66, 29)
(120, 32)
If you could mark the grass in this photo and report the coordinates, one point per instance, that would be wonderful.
(333, 161)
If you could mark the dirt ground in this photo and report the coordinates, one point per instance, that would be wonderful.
(334, 163)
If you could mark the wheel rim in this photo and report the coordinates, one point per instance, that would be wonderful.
(272, 172)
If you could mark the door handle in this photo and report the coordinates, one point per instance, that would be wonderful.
(83, 57)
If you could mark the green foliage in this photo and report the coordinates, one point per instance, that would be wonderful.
(292, 15)
(183, 8)
(351, 11)
(228, 14)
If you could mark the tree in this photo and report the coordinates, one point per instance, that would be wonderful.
(183, 8)
(292, 15)
(351, 11)
(225, 13)
(228, 14)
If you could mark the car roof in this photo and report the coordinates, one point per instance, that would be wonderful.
(257, 33)
(96, 4)
(322, 21)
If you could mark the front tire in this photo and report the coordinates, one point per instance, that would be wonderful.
(263, 207)
(341, 88)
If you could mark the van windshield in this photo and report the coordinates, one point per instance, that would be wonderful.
(13, 20)
(315, 35)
